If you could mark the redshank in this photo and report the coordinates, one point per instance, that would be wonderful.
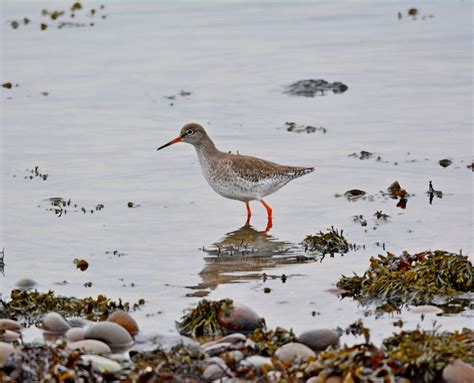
(234, 176)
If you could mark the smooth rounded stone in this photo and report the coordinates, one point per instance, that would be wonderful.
(217, 371)
(90, 345)
(241, 319)
(426, 309)
(25, 283)
(257, 361)
(9, 336)
(233, 338)
(291, 351)
(6, 350)
(114, 335)
(319, 340)
(125, 320)
(216, 349)
(458, 372)
(101, 363)
(79, 322)
(315, 379)
(54, 324)
(75, 334)
(235, 356)
(10, 324)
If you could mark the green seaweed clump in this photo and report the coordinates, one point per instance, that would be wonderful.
(28, 306)
(330, 242)
(421, 355)
(425, 278)
(203, 320)
(268, 341)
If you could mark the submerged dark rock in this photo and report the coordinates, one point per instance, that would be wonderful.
(312, 88)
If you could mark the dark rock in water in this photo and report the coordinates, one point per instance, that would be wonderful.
(25, 283)
(458, 372)
(291, 351)
(445, 162)
(241, 319)
(354, 194)
(312, 88)
(319, 340)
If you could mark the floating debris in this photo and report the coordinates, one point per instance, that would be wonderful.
(360, 220)
(293, 127)
(331, 242)
(432, 193)
(36, 173)
(445, 163)
(43, 26)
(471, 166)
(81, 264)
(380, 215)
(362, 155)
(412, 12)
(7, 85)
(436, 278)
(395, 191)
(312, 88)
(61, 206)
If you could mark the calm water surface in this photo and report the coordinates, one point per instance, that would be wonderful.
(96, 134)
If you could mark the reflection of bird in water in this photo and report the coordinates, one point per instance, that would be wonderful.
(234, 176)
(241, 256)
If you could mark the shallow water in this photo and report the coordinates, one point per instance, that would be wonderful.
(96, 134)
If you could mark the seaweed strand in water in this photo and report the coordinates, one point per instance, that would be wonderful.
(424, 278)
(203, 320)
(330, 242)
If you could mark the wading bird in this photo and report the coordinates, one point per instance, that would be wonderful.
(233, 176)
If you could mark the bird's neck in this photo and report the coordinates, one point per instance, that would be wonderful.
(206, 149)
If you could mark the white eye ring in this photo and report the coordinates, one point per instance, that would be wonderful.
(189, 132)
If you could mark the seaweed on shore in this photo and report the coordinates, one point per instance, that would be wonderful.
(421, 355)
(268, 341)
(203, 320)
(431, 277)
(331, 242)
(28, 306)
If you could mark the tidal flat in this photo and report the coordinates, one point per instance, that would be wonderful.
(87, 99)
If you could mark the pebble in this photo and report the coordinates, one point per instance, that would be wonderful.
(54, 324)
(10, 324)
(25, 283)
(216, 349)
(9, 336)
(102, 364)
(291, 351)
(241, 319)
(319, 340)
(426, 309)
(125, 320)
(79, 322)
(257, 361)
(75, 334)
(458, 372)
(216, 369)
(90, 345)
(6, 349)
(114, 335)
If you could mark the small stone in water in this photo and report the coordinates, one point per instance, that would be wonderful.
(75, 334)
(6, 350)
(25, 283)
(102, 364)
(54, 324)
(445, 163)
(458, 372)
(125, 320)
(81, 264)
(90, 345)
(319, 340)
(240, 319)
(114, 335)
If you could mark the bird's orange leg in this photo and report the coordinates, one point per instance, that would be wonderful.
(249, 212)
(269, 209)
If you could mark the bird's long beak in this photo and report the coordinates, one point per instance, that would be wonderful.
(176, 140)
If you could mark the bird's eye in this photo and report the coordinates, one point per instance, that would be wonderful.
(189, 132)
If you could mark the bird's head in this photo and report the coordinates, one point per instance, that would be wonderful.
(191, 133)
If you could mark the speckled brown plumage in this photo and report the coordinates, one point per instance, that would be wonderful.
(242, 178)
